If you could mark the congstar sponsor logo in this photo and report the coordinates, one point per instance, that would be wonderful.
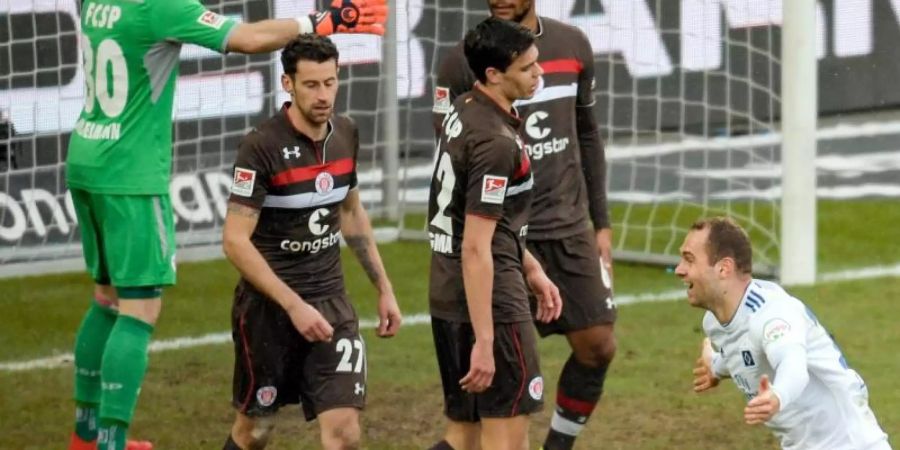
(537, 128)
(311, 246)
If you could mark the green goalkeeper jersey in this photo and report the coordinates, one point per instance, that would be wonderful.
(122, 142)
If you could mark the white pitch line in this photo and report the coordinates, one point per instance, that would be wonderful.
(65, 359)
(651, 297)
(173, 344)
(862, 274)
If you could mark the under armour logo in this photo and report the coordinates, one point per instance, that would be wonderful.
(291, 153)
(359, 389)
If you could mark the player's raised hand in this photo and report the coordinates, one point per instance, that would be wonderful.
(762, 407)
(704, 378)
(309, 322)
(352, 16)
(389, 317)
(481, 368)
(549, 300)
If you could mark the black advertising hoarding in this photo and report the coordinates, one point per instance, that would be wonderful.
(702, 67)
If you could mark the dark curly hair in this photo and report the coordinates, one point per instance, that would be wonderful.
(310, 47)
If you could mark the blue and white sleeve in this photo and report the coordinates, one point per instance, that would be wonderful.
(781, 333)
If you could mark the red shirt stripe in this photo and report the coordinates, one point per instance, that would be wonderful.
(570, 65)
(299, 174)
(524, 166)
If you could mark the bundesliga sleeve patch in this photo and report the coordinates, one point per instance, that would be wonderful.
(211, 20)
(493, 189)
(441, 100)
(775, 329)
(244, 179)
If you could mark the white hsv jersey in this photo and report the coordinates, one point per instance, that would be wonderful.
(832, 410)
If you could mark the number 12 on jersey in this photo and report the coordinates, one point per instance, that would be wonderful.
(444, 174)
(442, 242)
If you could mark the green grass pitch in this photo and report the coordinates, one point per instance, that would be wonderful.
(648, 403)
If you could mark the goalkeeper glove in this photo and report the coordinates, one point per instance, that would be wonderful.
(347, 16)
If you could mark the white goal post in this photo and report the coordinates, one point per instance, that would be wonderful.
(799, 112)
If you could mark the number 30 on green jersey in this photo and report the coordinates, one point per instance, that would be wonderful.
(96, 80)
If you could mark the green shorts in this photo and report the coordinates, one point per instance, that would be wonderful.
(128, 240)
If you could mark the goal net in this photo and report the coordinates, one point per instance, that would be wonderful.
(687, 98)
(218, 100)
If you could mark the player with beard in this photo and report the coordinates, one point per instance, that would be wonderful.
(477, 221)
(294, 194)
(563, 141)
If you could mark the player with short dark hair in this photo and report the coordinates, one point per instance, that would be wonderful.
(118, 169)
(569, 230)
(478, 210)
(792, 373)
(294, 195)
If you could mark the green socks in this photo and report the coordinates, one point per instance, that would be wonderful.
(112, 435)
(122, 370)
(86, 421)
(110, 362)
(90, 343)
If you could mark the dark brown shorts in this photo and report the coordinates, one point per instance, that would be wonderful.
(573, 264)
(275, 365)
(517, 389)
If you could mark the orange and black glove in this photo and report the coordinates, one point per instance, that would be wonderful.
(351, 16)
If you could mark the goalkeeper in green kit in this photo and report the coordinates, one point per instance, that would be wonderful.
(118, 171)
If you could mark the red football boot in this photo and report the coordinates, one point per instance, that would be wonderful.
(138, 445)
(75, 443)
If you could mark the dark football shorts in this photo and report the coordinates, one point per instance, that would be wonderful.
(517, 388)
(573, 264)
(275, 365)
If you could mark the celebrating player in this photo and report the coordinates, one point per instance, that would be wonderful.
(118, 170)
(562, 139)
(794, 376)
(478, 208)
(296, 335)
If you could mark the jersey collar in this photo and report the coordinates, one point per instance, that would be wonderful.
(511, 117)
(287, 122)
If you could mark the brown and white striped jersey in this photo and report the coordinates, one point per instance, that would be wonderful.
(298, 185)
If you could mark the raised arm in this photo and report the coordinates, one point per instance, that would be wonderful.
(341, 16)
(264, 36)
(357, 231)
(190, 22)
